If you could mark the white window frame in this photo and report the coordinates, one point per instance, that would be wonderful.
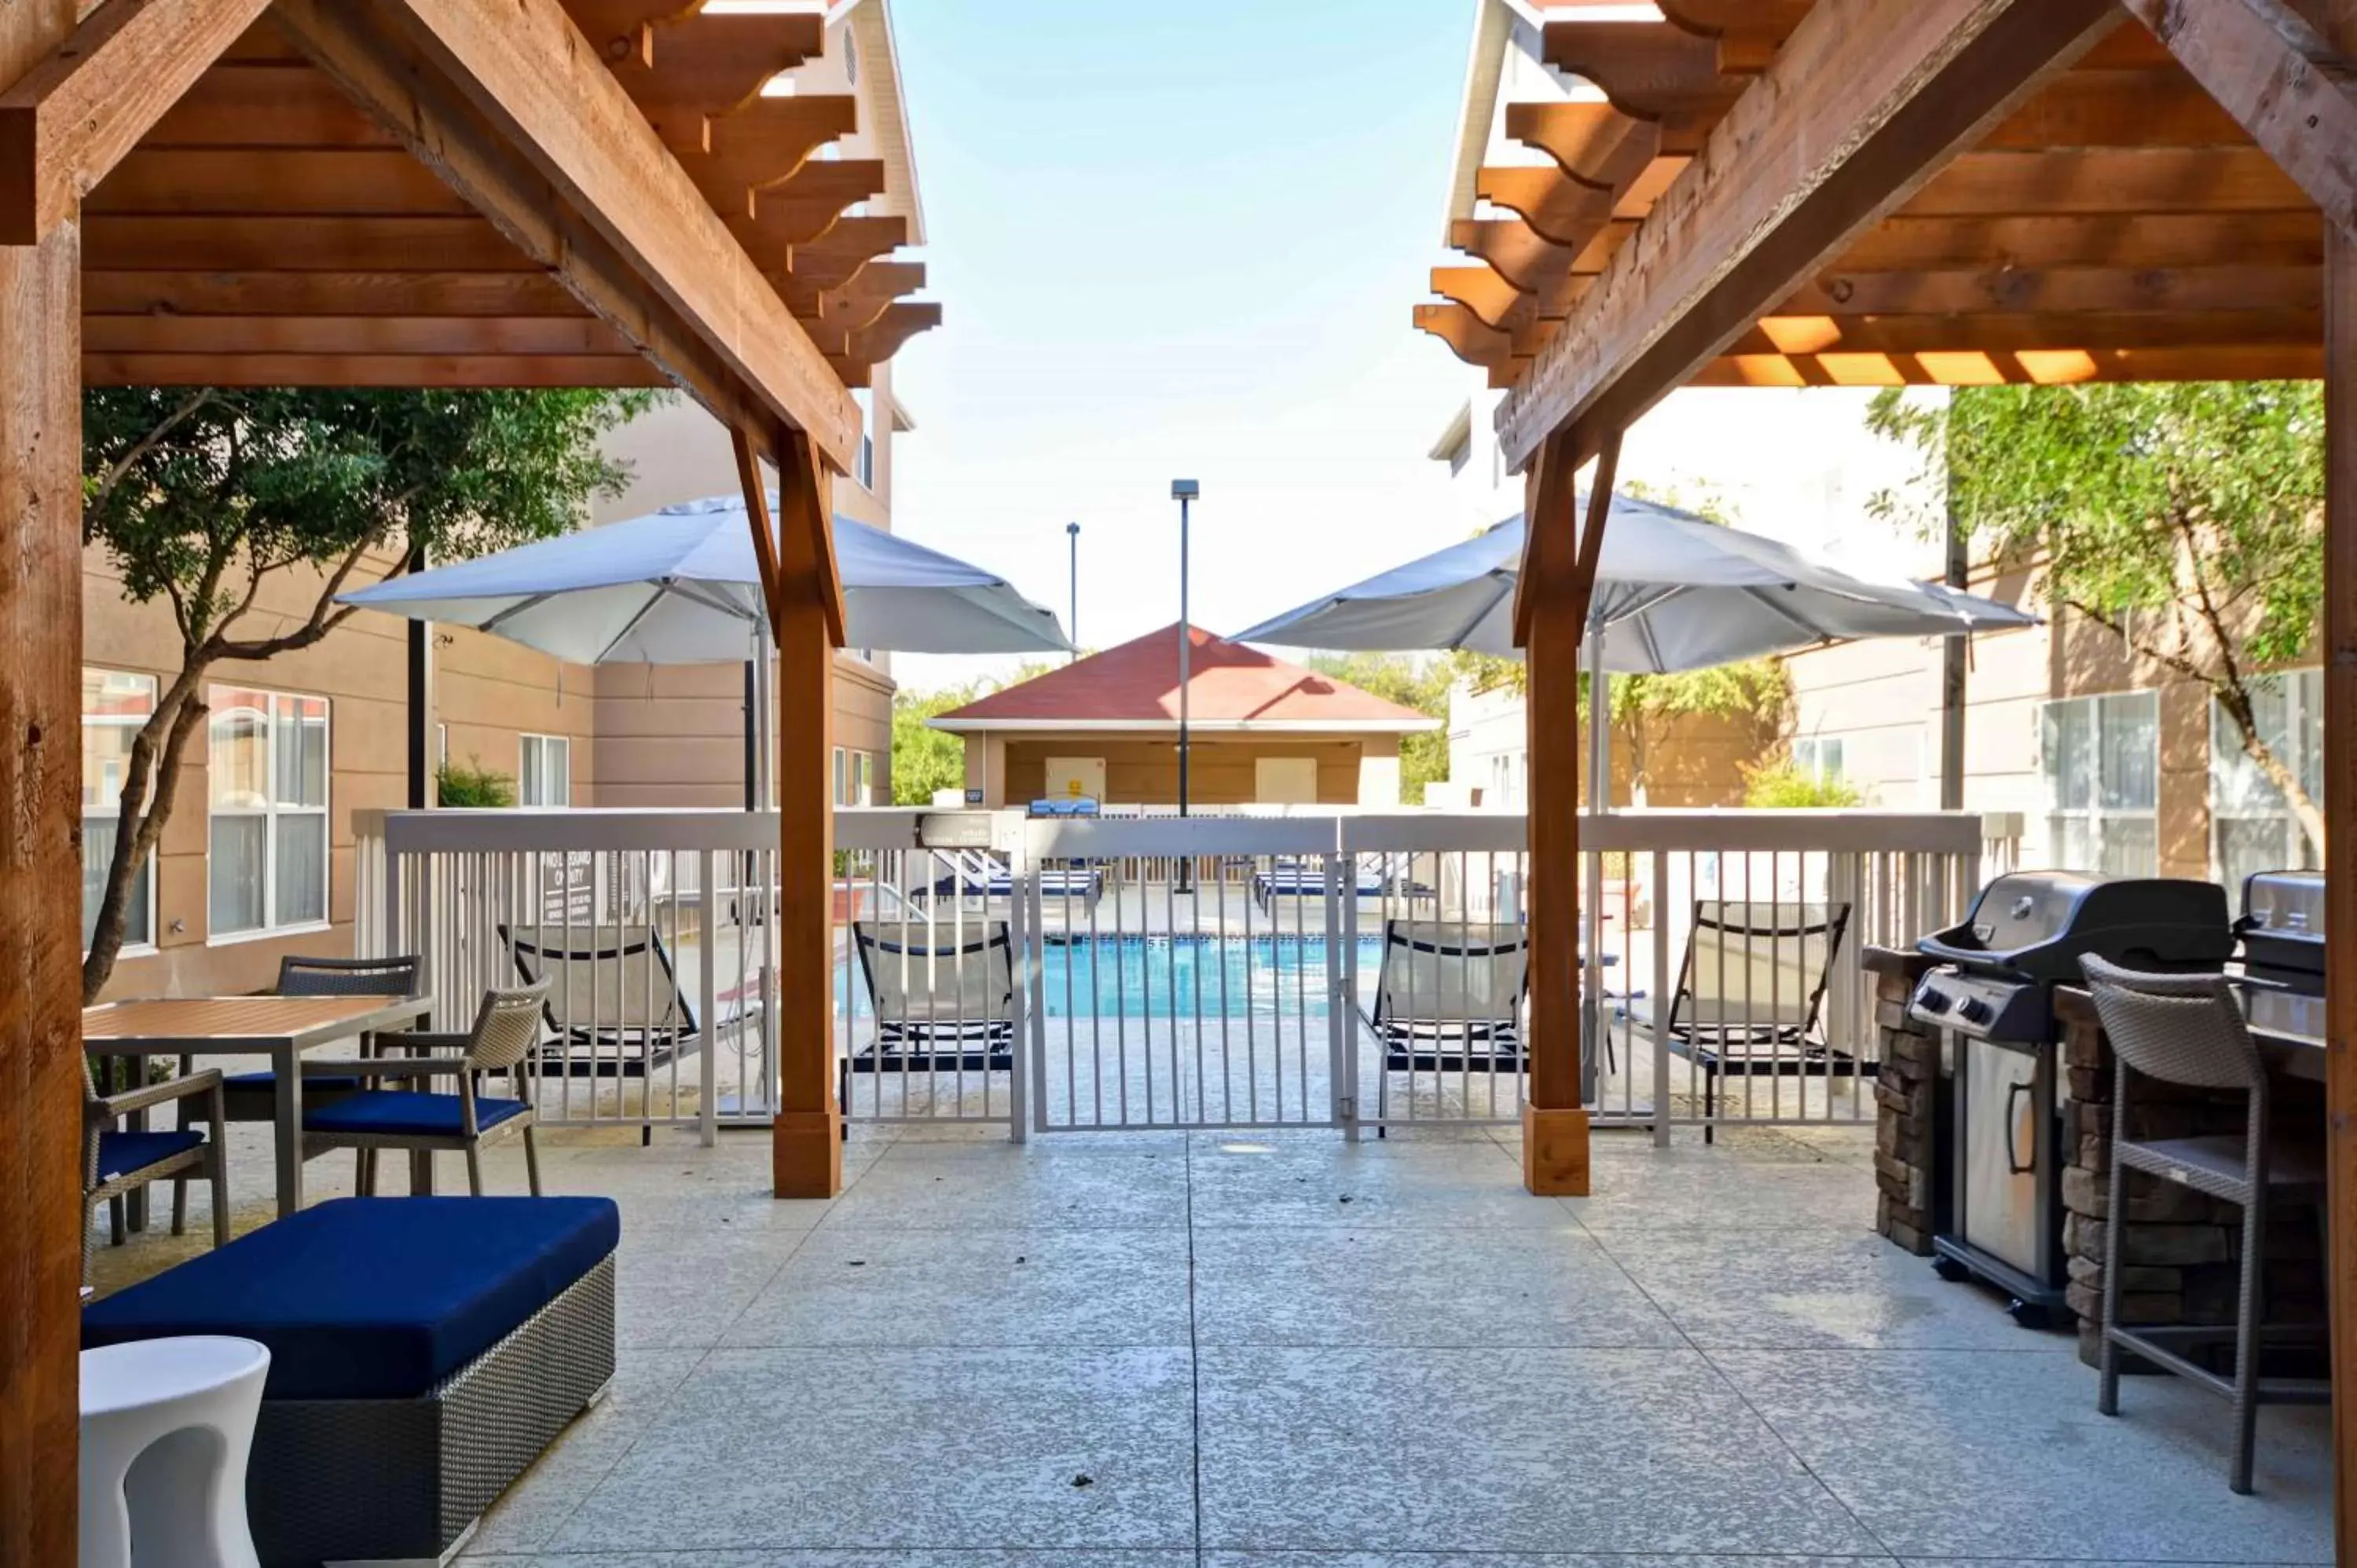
(2092, 811)
(863, 468)
(841, 793)
(273, 811)
(525, 742)
(134, 944)
(1824, 758)
(2303, 692)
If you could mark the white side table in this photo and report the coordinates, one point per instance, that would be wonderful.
(187, 1408)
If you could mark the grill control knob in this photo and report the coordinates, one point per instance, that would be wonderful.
(1933, 1001)
(1974, 1010)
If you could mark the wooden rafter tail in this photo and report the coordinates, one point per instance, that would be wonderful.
(1559, 208)
(69, 121)
(878, 341)
(1871, 104)
(1471, 339)
(1595, 142)
(2294, 90)
(1479, 289)
(1649, 70)
(1528, 260)
(861, 301)
(835, 257)
(691, 62)
(807, 208)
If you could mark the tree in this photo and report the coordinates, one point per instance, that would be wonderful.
(2187, 519)
(1421, 685)
(201, 497)
(926, 759)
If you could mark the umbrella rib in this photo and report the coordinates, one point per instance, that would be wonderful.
(531, 602)
(638, 617)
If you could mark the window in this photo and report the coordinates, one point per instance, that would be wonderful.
(863, 783)
(842, 776)
(2102, 762)
(864, 466)
(114, 704)
(1819, 757)
(545, 776)
(2250, 824)
(268, 865)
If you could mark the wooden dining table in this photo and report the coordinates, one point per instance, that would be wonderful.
(279, 1027)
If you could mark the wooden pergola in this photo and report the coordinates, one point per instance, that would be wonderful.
(399, 193)
(1892, 192)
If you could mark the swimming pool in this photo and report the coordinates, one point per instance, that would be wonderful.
(1182, 977)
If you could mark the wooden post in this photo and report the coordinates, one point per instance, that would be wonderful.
(40, 858)
(2341, 837)
(805, 615)
(1551, 614)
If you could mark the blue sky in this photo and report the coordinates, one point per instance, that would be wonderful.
(1178, 241)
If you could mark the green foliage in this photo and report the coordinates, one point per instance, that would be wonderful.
(923, 760)
(201, 496)
(473, 787)
(1780, 787)
(2188, 519)
(1421, 685)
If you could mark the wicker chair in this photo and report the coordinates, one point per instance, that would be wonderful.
(504, 1041)
(254, 1096)
(2187, 1029)
(116, 1162)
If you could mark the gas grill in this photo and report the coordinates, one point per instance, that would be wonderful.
(2282, 933)
(2001, 1212)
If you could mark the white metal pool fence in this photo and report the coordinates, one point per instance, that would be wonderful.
(1288, 969)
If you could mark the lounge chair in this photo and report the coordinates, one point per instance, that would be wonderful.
(1752, 992)
(1448, 999)
(1293, 876)
(615, 1007)
(503, 1042)
(995, 879)
(942, 1004)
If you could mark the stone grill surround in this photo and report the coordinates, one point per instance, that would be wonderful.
(2183, 1250)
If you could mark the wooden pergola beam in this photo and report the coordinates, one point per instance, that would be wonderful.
(414, 98)
(1863, 105)
(2290, 88)
(71, 118)
(527, 71)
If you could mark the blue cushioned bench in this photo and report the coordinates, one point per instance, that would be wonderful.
(424, 1352)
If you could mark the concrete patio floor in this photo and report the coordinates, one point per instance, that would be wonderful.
(1155, 1349)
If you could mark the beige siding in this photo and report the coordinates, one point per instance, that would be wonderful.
(1143, 769)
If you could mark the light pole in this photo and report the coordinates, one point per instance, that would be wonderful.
(1072, 622)
(1184, 492)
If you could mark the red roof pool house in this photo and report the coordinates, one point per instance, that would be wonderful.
(1261, 731)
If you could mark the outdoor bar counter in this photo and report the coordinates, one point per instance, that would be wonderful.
(2182, 1250)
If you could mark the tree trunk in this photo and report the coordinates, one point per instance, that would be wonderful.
(157, 753)
(2237, 700)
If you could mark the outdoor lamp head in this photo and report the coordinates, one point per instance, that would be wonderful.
(1185, 490)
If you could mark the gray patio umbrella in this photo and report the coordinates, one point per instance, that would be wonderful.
(1673, 592)
(681, 586)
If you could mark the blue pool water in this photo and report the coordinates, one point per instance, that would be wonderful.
(1236, 977)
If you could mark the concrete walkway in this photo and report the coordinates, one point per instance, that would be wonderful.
(1156, 1349)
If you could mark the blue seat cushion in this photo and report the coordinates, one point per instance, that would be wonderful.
(267, 1083)
(394, 1113)
(119, 1154)
(371, 1297)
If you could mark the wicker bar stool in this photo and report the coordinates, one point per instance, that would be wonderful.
(2187, 1029)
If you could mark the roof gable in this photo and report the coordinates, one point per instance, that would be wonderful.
(1228, 684)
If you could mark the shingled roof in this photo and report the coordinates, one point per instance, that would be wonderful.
(1229, 686)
